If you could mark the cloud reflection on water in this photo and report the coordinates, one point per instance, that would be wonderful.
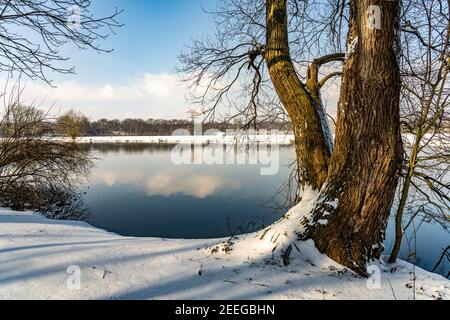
(169, 183)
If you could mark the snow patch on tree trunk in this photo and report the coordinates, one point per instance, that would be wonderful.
(352, 47)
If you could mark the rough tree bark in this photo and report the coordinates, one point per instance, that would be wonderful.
(312, 134)
(358, 182)
(350, 218)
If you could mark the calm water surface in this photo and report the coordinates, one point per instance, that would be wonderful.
(136, 190)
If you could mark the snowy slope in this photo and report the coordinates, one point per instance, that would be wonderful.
(35, 254)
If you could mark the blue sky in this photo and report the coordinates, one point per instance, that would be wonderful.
(138, 79)
(153, 34)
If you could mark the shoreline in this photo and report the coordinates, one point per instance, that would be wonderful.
(282, 140)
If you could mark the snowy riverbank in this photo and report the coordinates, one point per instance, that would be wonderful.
(35, 254)
(216, 139)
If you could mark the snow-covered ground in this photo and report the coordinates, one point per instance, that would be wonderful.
(212, 139)
(36, 255)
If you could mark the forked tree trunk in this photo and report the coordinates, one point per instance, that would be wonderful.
(351, 215)
(312, 136)
(358, 183)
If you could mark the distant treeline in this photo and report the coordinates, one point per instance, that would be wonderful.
(74, 124)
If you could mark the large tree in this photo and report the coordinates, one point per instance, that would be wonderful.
(358, 175)
(363, 175)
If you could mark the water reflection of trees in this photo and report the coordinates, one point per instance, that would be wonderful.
(129, 148)
(151, 148)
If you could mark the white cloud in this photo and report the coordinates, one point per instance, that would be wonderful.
(157, 85)
(148, 96)
(112, 178)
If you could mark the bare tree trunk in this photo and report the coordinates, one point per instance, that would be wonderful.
(312, 135)
(350, 218)
(399, 220)
(403, 199)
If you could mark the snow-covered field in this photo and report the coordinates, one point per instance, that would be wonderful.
(36, 255)
(207, 139)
